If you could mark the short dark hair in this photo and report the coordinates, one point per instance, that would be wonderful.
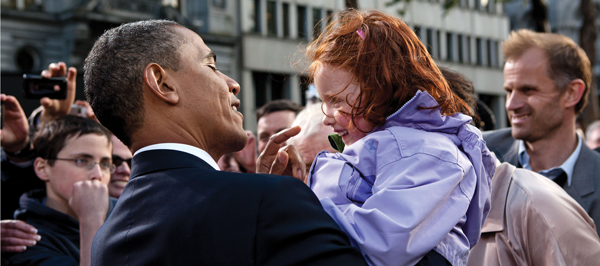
(276, 106)
(566, 60)
(113, 71)
(51, 138)
(461, 87)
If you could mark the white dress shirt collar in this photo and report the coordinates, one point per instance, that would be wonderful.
(183, 148)
(567, 166)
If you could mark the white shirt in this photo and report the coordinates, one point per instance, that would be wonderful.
(567, 166)
(200, 153)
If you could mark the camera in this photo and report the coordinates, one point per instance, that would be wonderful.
(37, 87)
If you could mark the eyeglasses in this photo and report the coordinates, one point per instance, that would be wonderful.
(87, 163)
(118, 161)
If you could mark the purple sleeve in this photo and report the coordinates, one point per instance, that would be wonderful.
(417, 204)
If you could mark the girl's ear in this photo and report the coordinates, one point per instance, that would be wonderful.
(41, 168)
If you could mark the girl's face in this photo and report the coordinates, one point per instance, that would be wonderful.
(330, 81)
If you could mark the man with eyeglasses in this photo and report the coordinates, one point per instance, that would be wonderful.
(74, 161)
(121, 157)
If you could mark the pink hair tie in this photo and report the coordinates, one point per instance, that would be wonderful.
(361, 33)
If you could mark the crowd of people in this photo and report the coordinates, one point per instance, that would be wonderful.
(390, 167)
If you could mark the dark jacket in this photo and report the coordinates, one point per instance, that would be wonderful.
(178, 210)
(15, 182)
(586, 173)
(60, 233)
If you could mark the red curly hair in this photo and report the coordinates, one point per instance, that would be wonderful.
(390, 65)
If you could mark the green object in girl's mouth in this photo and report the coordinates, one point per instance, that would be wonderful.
(336, 142)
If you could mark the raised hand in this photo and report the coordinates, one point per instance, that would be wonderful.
(279, 160)
(54, 108)
(14, 135)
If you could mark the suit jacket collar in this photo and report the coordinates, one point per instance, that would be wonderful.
(202, 154)
(160, 160)
(504, 146)
(512, 155)
(587, 168)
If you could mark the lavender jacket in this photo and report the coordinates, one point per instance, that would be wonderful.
(419, 182)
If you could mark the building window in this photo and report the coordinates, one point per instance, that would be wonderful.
(489, 53)
(316, 15)
(450, 46)
(219, 3)
(461, 47)
(491, 6)
(271, 18)
(286, 19)
(301, 10)
(479, 47)
(256, 17)
(468, 52)
(270, 86)
(417, 30)
(429, 41)
(438, 44)
(304, 84)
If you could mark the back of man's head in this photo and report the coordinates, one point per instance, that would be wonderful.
(566, 60)
(277, 106)
(114, 71)
(53, 135)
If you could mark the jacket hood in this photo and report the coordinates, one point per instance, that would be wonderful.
(416, 114)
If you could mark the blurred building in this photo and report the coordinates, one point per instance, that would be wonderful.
(258, 42)
(466, 38)
(36, 33)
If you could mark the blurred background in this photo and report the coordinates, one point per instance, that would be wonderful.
(258, 42)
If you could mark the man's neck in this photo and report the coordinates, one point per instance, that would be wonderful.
(553, 150)
(155, 133)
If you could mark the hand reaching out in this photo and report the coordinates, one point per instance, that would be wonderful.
(282, 160)
(17, 236)
(55, 108)
(15, 133)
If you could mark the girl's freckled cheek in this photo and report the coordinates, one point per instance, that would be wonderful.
(343, 120)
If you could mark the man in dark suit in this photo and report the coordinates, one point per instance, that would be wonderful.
(547, 79)
(155, 85)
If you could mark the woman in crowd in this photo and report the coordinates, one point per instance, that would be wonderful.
(412, 185)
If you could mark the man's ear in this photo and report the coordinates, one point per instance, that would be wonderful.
(574, 92)
(40, 166)
(157, 79)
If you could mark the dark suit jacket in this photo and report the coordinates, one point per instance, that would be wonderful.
(586, 174)
(177, 210)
